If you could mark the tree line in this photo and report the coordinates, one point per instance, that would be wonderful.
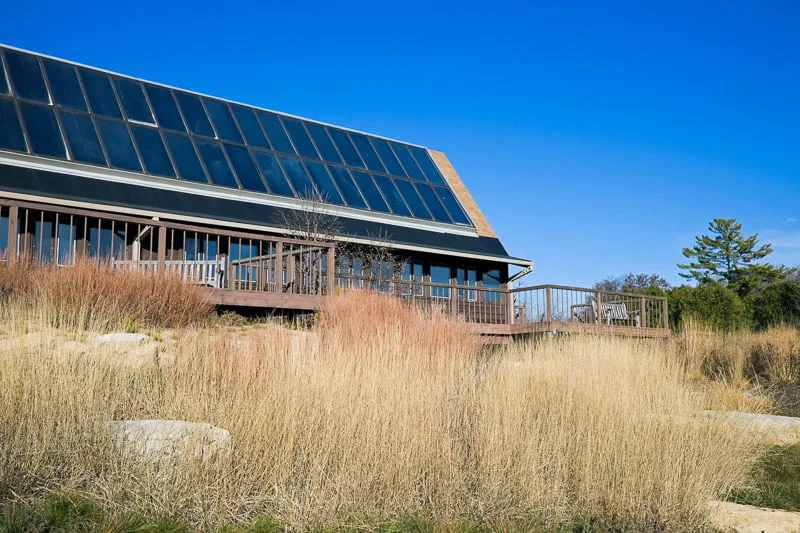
(731, 285)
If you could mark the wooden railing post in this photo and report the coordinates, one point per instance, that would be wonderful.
(666, 315)
(278, 266)
(509, 298)
(643, 313)
(331, 269)
(162, 249)
(548, 296)
(13, 217)
(598, 298)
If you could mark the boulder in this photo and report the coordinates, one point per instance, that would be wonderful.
(167, 441)
(729, 516)
(773, 429)
(126, 349)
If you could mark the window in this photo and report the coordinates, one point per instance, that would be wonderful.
(468, 277)
(218, 168)
(100, 94)
(440, 274)
(367, 153)
(154, 155)
(491, 280)
(11, 137)
(346, 148)
(452, 205)
(250, 127)
(348, 187)
(371, 193)
(392, 195)
(223, 121)
(427, 165)
(245, 169)
(185, 157)
(412, 169)
(133, 100)
(413, 199)
(297, 175)
(43, 130)
(194, 114)
(327, 189)
(323, 142)
(26, 76)
(119, 146)
(275, 132)
(3, 81)
(65, 86)
(273, 174)
(165, 109)
(434, 205)
(412, 278)
(82, 139)
(388, 157)
(300, 138)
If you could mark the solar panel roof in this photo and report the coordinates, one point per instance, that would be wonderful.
(56, 109)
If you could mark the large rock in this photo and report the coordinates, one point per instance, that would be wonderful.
(126, 349)
(729, 516)
(777, 430)
(167, 441)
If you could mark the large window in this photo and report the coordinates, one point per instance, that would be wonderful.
(469, 277)
(491, 279)
(412, 278)
(440, 274)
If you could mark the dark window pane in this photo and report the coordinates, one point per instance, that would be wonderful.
(185, 157)
(217, 165)
(133, 100)
(346, 148)
(154, 155)
(450, 202)
(82, 138)
(273, 174)
(327, 189)
(427, 165)
(100, 94)
(371, 193)
(300, 138)
(434, 204)
(388, 157)
(26, 76)
(348, 187)
(413, 199)
(194, 114)
(164, 106)
(223, 121)
(119, 145)
(252, 131)
(392, 195)
(275, 132)
(323, 142)
(43, 131)
(412, 169)
(11, 137)
(243, 164)
(297, 175)
(64, 85)
(3, 81)
(367, 152)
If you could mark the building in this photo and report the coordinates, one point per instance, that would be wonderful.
(261, 208)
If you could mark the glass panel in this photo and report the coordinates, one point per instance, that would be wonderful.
(4, 218)
(392, 195)
(371, 193)
(185, 157)
(412, 169)
(440, 274)
(323, 142)
(491, 278)
(223, 120)
(252, 131)
(346, 148)
(118, 145)
(324, 183)
(82, 139)
(300, 138)
(64, 85)
(273, 174)
(367, 153)
(11, 137)
(448, 198)
(100, 94)
(43, 131)
(275, 132)
(427, 165)
(67, 239)
(388, 157)
(245, 169)
(103, 243)
(43, 237)
(412, 272)
(164, 106)
(3, 81)
(133, 100)
(154, 155)
(413, 199)
(26, 76)
(297, 175)
(432, 201)
(468, 277)
(194, 114)
(348, 187)
(217, 165)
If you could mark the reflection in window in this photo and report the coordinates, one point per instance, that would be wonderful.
(245, 169)
(100, 94)
(300, 180)
(427, 165)
(133, 100)
(154, 155)
(223, 121)
(218, 168)
(195, 115)
(275, 132)
(273, 174)
(491, 279)
(392, 195)
(119, 145)
(323, 142)
(43, 130)
(367, 153)
(300, 138)
(82, 139)
(64, 85)
(388, 157)
(327, 189)
(346, 148)
(185, 158)
(348, 187)
(433, 203)
(371, 193)
(412, 169)
(468, 277)
(412, 277)
(252, 131)
(440, 274)
(164, 106)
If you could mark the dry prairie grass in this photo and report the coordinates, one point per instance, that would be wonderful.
(375, 415)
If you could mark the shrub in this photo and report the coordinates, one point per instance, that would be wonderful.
(777, 304)
(711, 303)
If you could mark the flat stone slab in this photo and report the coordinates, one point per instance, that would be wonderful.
(166, 441)
(122, 338)
(778, 430)
(749, 519)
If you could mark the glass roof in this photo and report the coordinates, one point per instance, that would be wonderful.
(60, 110)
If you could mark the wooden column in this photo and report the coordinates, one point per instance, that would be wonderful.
(13, 217)
(162, 249)
(666, 314)
(508, 298)
(331, 269)
(278, 266)
(598, 298)
(548, 297)
(643, 313)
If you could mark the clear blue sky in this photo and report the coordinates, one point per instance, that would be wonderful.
(598, 140)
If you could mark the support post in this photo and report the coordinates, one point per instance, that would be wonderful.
(278, 270)
(508, 296)
(331, 269)
(13, 217)
(549, 304)
(598, 298)
(643, 313)
(162, 249)
(666, 314)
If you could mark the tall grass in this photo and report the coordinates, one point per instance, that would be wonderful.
(90, 295)
(375, 415)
